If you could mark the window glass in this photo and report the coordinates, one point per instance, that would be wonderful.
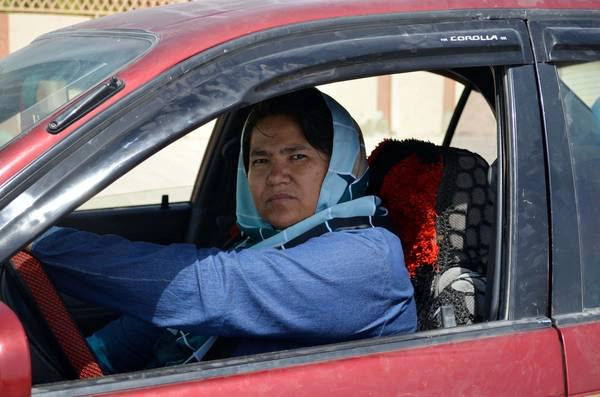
(45, 75)
(476, 129)
(580, 94)
(171, 171)
(416, 105)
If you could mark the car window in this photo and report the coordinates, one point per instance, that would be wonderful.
(580, 94)
(476, 129)
(42, 77)
(171, 171)
(416, 105)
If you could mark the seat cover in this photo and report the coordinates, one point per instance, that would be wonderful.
(440, 206)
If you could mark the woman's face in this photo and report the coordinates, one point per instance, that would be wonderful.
(285, 172)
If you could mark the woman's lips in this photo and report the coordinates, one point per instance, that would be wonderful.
(280, 197)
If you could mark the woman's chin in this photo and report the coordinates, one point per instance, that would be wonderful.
(284, 216)
(284, 222)
(281, 225)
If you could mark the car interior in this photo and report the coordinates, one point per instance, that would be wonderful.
(441, 197)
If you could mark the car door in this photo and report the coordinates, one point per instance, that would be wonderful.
(516, 352)
(568, 63)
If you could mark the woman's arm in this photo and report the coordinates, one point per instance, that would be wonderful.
(339, 285)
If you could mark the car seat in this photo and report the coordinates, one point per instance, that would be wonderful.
(440, 206)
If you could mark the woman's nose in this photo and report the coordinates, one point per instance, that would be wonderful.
(279, 172)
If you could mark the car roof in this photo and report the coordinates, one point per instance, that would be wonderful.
(187, 29)
(234, 16)
(199, 25)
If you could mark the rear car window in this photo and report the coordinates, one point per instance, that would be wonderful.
(42, 77)
(580, 94)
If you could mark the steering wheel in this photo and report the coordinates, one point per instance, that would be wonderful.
(58, 349)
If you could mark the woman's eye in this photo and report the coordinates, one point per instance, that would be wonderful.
(259, 161)
(298, 156)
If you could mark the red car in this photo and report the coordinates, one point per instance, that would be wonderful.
(82, 106)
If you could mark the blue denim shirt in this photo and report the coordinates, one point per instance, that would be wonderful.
(339, 286)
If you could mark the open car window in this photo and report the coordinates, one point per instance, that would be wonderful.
(417, 105)
(37, 80)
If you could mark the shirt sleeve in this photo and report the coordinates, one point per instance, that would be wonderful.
(340, 285)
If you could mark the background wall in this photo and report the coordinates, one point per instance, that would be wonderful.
(24, 28)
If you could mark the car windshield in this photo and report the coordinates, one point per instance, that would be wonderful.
(50, 72)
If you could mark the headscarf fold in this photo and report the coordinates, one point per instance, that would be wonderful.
(342, 193)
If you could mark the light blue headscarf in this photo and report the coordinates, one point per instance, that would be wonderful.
(342, 193)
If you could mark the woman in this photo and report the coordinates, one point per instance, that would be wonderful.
(312, 267)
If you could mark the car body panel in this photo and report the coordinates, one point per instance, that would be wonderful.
(580, 342)
(480, 367)
(466, 354)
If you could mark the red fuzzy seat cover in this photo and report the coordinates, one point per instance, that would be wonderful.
(407, 175)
